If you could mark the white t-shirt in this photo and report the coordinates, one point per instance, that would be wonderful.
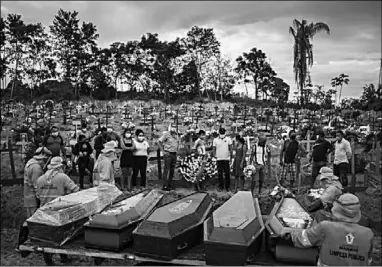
(222, 147)
(141, 148)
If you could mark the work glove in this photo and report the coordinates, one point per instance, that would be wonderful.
(286, 236)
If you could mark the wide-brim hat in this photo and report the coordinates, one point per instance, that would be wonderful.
(55, 163)
(347, 208)
(326, 173)
(108, 147)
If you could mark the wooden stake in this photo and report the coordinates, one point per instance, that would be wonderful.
(10, 147)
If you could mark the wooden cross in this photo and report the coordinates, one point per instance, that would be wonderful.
(152, 123)
(64, 109)
(216, 110)
(245, 115)
(108, 113)
(23, 144)
(165, 112)
(177, 120)
(126, 112)
(50, 117)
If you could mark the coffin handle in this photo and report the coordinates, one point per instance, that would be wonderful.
(182, 246)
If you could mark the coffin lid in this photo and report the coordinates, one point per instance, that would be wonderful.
(176, 217)
(237, 221)
(126, 211)
(288, 215)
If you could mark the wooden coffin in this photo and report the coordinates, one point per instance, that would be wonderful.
(63, 218)
(233, 233)
(112, 229)
(173, 228)
(289, 215)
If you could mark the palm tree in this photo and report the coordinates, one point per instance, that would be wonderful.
(335, 82)
(303, 33)
(339, 81)
(343, 79)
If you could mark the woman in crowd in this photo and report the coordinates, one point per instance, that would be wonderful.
(200, 149)
(127, 159)
(83, 151)
(141, 153)
(239, 162)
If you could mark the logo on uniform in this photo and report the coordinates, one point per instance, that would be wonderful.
(349, 239)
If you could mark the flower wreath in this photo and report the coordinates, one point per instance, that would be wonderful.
(194, 168)
(249, 171)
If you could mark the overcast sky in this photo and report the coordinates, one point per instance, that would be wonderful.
(353, 47)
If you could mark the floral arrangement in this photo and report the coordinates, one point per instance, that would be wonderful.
(193, 168)
(249, 171)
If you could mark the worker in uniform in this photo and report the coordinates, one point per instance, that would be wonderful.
(332, 190)
(53, 184)
(33, 170)
(104, 168)
(342, 242)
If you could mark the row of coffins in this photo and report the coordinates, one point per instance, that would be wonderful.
(231, 235)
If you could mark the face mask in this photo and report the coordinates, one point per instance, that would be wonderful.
(140, 138)
(55, 134)
(128, 135)
(173, 130)
(109, 130)
(84, 130)
(222, 136)
(317, 137)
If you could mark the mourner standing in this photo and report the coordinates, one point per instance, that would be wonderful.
(169, 145)
(239, 162)
(40, 133)
(83, 150)
(321, 149)
(342, 156)
(141, 149)
(288, 158)
(257, 159)
(342, 242)
(200, 149)
(104, 168)
(99, 141)
(55, 143)
(127, 159)
(222, 150)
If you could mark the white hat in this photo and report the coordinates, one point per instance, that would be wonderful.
(109, 146)
(55, 163)
(327, 173)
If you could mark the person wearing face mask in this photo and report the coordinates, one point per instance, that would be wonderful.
(33, 170)
(83, 150)
(104, 168)
(200, 149)
(321, 149)
(342, 156)
(169, 144)
(141, 152)
(127, 159)
(55, 143)
(222, 150)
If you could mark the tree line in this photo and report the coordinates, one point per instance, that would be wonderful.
(188, 67)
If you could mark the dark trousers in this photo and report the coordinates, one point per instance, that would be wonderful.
(169, 168)
(223, 168)
(83, 164)
(341, 170)
(316, 166)
(140, 166)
